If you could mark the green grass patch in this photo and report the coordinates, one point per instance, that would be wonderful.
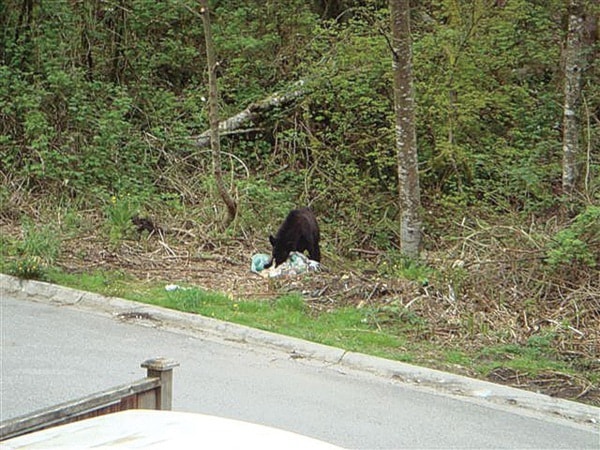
(458, 357)
(288, 314)
(348, 328)
(109, 283)
(534, 357)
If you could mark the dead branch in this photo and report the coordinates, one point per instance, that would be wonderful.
(236, 124)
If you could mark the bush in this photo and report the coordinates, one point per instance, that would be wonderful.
(119, 214)
(579, 243)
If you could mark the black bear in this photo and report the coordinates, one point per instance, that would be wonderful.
(299, 232)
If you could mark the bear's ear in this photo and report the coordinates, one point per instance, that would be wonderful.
(272, 240)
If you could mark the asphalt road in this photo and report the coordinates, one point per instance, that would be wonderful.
(51, 354)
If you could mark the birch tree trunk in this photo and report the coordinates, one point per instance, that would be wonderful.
(213, 113)
(406, 137)
(574, 64)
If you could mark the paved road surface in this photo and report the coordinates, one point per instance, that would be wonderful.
(53, 353)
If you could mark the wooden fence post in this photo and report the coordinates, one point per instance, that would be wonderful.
(162, 368)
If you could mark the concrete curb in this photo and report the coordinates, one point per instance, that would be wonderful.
(450, 384)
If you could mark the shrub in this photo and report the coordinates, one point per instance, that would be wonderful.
(579, 243)
(120, 211)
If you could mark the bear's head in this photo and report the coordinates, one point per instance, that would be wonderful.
(280, 251)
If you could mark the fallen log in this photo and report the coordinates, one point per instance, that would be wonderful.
(236, 123)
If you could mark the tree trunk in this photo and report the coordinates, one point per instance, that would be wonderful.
(119, 29)
(574, 63)
(213, 113)
(87, 14)
(406, 138)
(23, 33)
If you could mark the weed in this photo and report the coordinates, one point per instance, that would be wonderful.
(475, 325)
(397, 265)
(395, 314)
(119, 212)
(541, 345)
(29, 267)
(7, 245)
(291, 303)
(70, 222)
(200, 301)
(34, 253)
(579, 243)
(39, 241)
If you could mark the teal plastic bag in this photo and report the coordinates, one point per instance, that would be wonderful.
(259, 261)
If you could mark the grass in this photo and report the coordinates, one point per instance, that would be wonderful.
(30, 256)
(349, 328)
(535, 357)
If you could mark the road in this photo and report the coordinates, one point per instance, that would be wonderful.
(54, 353)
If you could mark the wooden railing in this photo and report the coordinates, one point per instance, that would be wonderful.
(153, 392)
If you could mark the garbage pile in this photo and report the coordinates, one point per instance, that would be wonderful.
(296, 264)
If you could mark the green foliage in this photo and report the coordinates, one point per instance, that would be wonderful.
(261, 205)
(113, 283)
(200, 300)
(399, 266)
(579, 243)
(542, 344)
(31, 256)
(291, 303)
(396, 316)
(460, 358)
(6, 247)
(28, 267)
(39, 241)
(97, 99)
(488, 121)
(534, 356)
(246, 32)
(118, 92)
(120, 211)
